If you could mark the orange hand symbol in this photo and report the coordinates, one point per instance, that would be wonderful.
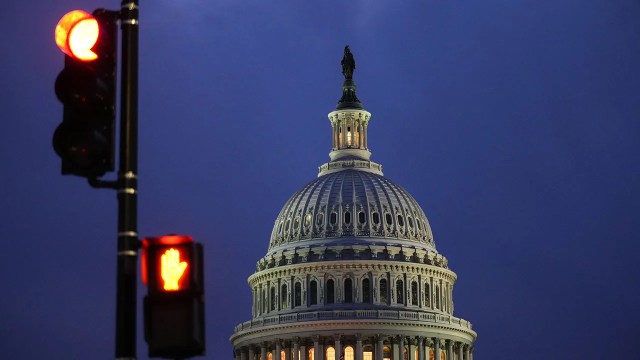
(172, 269)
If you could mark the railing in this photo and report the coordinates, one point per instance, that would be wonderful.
(418, 316)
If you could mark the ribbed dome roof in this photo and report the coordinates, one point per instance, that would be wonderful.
(350, 207)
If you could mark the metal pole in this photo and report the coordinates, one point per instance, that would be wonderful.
(128, 243)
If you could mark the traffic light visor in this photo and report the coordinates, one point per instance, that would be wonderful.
(76, 34)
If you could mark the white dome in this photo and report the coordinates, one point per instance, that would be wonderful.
(351, 207)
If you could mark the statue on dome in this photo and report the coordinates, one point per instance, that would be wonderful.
(348, 63)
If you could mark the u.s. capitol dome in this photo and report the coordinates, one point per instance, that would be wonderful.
(352, 271)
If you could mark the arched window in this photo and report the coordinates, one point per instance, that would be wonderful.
(269, 356)
(349, 353)
(349, 136)
(386, 352)
(427, 295)
(383, 291)
(283, 355)
(348, 291)
(399, 292)
(366, 291)
(273, 298)
(330, 292)
(313, 292)
(283, 297)
(298, 294)
(414, 293)
(311, 353)
(331, 353)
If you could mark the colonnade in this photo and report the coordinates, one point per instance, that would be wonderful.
(357, 347)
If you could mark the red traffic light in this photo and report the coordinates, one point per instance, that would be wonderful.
(76, 34)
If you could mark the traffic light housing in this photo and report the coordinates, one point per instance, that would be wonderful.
(85, 140)
(172, 269)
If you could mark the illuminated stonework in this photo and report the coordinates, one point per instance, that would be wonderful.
(352, 271)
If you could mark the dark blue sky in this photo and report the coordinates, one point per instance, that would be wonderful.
(515, 124)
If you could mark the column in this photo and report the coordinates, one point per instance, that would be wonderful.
(412, 349)
(287, 350)
(428, 343)
(277, 350)
(471, 353)
(466, 352)
(252, 355)
(400, 348)
(318, 353)
(358, 347)
(380, 347)
(337, 346)
(449, 349)
(296, 349)
(421, 348)
(304, 352)
(460, 345)
(263, 351)
(436, 348)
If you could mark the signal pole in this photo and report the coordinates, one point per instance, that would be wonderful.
(127, 187)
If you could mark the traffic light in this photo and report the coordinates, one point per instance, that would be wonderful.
(172, 269)
(85, 140)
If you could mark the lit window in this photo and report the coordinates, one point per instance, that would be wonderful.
(331, 353)
(348, 353)
(307, 220)
(311, 353)
(349, 136)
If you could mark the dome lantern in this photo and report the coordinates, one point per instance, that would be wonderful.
(349, 124)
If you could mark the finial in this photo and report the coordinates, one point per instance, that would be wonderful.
(348, 64)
